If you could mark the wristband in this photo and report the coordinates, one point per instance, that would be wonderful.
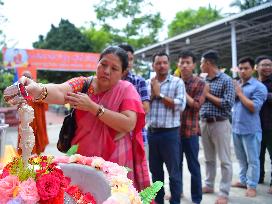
(43, 94)
(100, 111)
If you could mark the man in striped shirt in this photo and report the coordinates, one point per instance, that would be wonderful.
(166, 101)
(138, 82)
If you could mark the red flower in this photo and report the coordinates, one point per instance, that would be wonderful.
(71, 190)
(74, 192)
(57, 200)
(65, 181)
(48, 186)
(43, 164)
(88, 198)
(40, 172)
(5, 173)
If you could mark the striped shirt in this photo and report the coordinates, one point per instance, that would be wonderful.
(140, 85)
(161, 116)
(222, 87)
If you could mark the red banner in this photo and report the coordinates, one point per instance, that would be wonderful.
(40, 59)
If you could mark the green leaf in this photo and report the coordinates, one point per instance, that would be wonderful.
(72, 150)
(128, 169)
(148, 194)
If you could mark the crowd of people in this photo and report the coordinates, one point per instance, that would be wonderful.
(112, 116)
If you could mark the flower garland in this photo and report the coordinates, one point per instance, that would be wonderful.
(122, 189)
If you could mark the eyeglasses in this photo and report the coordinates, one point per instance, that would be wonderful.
(266, 65)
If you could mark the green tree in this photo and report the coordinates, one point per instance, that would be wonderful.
(246, 4)
(191, 19)
(64, 37)
(99, 39)
(6, 78)
(2, 35)
(130, 21)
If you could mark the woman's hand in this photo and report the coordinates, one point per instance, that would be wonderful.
(33, 89)
(79, 101)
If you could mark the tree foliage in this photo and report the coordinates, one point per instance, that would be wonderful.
(6, 79)
(246, 4)
(64, 37)
(2, 20)
(99, 39)
(127, 21)
(191, 19)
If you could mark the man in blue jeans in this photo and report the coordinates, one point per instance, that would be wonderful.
(166, 101)
(246, 125)
(189, 129)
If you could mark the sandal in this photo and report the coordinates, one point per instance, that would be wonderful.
(207, 189)
(251, 192)
(239, 185)
(221, 200)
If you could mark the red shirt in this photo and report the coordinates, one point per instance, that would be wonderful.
(190, 116)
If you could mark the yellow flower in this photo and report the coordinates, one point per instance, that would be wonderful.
(37, 160)
(15, 191)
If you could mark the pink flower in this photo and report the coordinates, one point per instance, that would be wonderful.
(28, 191)
(61, 159)
(48, 186)
(113, 169)
(7, 187)
(111, 200)
(85, 160)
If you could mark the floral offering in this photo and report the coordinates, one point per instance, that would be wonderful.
(41, 181)
(122, 190)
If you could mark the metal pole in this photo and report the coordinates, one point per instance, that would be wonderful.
(233, 50)
(167, 49)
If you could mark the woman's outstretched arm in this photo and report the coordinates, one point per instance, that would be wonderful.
(55, 92)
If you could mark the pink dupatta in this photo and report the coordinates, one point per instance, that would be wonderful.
(97, 139)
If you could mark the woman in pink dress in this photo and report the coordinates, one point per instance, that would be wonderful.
(109, 117)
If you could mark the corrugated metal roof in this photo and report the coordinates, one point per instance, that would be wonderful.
(254, 24)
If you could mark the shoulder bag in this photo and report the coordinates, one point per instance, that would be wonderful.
(68, 128)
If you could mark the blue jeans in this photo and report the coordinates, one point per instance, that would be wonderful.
(247, 149)
(265, 144)
(190, 147)
(164, 147)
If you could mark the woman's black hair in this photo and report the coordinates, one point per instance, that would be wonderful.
(121, 53)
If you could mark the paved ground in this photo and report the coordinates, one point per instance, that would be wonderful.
(236, 195)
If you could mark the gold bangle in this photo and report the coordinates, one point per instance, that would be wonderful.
(43, 94)
(100, 111)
